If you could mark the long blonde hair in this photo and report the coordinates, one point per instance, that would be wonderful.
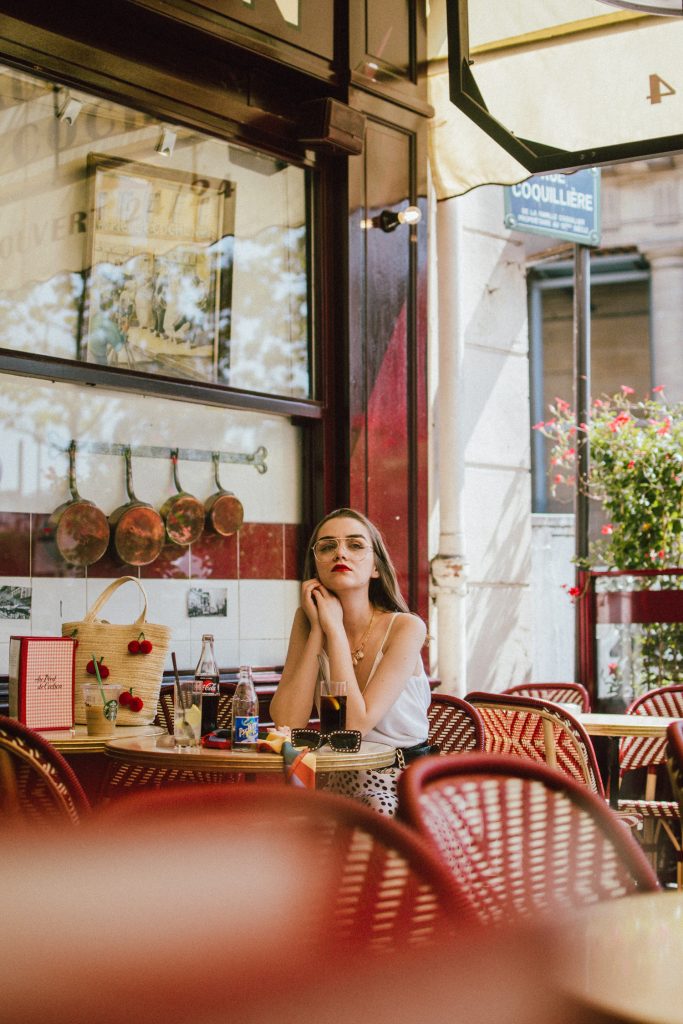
(384, 591)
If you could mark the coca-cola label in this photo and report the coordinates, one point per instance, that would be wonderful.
(246, 729)
(209, 686)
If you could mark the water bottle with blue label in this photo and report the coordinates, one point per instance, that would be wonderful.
(245, 712)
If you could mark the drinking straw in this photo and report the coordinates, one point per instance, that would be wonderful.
(99, 680)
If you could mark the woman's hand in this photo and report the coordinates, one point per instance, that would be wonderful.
(321, 607)
(308, 604)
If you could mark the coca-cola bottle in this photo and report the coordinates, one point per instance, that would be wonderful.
(245, 712)
(207, 671)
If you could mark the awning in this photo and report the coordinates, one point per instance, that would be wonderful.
(543, 85)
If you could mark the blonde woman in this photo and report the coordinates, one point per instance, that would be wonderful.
(353, 624)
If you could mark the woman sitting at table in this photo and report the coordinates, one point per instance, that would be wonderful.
(353, 624)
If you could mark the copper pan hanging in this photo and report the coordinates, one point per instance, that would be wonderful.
(224, 511)
(80, 529)
(138, 529)
(182, 513)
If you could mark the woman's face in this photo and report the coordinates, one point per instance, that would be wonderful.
(344, 557)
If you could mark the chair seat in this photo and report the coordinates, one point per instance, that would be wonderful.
(651, 808)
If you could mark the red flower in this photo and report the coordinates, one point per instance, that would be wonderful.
(607, 529)
(574, 591)
(631, 464)
(558, 478)
(660, 387)
(627, 390)
(561, 404)
(613, 665)
(569, 452)
(665, 427)
(538, 426)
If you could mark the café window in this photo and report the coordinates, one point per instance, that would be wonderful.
(136, 244)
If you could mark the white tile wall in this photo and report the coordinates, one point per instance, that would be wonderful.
(38, 419)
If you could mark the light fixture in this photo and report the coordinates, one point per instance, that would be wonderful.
(389, 220)
(69, 109)
(166, 142)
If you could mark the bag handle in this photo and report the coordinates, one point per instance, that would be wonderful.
(108, 591)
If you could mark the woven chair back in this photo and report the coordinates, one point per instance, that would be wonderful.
(674, 761)
(648, 751)
(386, 887)
(541, 731)
(559, 693)
(37, 785)
(455, 725)
(521, 838)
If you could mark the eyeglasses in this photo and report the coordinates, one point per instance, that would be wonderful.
(326, 549)
(347, 740)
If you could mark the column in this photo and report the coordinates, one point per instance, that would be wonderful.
(666, 317)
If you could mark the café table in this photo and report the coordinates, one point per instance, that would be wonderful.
(138, 758)
(628, 958)
(616, 726)
(85, 753)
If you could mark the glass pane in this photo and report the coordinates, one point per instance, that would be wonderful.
(127, 242)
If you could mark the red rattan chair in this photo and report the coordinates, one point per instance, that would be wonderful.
(674, 760)
(650, 753)
(559, 693)
(37, 785)
(541, 731)
(455, 725)
(386, 886)
(521, 838)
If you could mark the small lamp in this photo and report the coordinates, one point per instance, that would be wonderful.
(389, 220)
(166, 142)
(70, 109)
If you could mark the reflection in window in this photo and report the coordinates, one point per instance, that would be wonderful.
(188, 261)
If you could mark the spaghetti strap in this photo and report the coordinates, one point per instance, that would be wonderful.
(380, 652)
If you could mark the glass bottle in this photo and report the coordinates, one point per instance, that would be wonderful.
(245, 712)
(207, 671)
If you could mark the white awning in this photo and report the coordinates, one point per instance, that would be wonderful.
(548, 85)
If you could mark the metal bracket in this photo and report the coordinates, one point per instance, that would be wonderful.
(256, 459)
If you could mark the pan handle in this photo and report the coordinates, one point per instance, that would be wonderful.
(72, 472)
(216, 458)
(129, 474)
(174, 463)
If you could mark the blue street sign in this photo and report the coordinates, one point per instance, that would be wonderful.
(560, 205)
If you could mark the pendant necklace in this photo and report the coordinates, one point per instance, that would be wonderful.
(359, 652)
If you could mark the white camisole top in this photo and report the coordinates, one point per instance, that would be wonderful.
(405, 723)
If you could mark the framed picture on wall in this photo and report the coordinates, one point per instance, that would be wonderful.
(158, 289)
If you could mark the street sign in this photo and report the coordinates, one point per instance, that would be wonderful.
(560, 205)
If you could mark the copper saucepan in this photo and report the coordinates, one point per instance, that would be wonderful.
(138, 529)
(80, 529)
(224, 511)
(182, 513)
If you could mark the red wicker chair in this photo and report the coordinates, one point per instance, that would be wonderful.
(455, 725)
(521, 838)
(37, 785)
(674, 760)
(651, 753)
(388, 886)
(539, 730)
(559, 693)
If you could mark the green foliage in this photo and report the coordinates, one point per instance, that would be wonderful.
(635, 472)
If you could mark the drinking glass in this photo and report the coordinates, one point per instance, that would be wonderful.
(187, 712)
(332, 705)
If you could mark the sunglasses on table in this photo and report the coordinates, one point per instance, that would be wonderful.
(346, 740)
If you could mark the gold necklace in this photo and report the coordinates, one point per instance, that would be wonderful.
(359, 652)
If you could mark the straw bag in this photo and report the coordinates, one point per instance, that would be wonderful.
(109, 641)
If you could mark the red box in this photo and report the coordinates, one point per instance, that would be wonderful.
(41, 681)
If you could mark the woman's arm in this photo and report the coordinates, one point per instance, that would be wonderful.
(292, 701)
(401, 655)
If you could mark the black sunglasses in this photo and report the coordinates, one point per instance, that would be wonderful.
(347, 740)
